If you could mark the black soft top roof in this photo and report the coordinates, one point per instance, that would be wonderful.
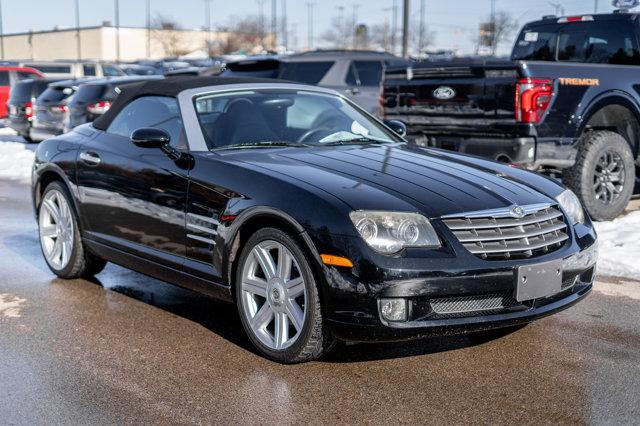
(170, 86)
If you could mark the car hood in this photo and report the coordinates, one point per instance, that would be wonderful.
(400, 177)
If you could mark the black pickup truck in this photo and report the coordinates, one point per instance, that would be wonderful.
(567, 103)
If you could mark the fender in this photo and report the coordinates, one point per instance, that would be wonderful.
(611, 97)
(262, 211)
(42, 169)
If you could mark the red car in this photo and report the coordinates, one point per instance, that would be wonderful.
(8, 76)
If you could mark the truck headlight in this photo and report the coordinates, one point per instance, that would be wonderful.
(390, 232)
(571, 205)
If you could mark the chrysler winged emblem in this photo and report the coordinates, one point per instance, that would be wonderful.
(517, 212)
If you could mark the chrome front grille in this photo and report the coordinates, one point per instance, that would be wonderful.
(498, 234)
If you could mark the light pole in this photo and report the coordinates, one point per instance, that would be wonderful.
(310, 24)
(1, 34)
(78, 43)
(405, 29)
(285, 29)
(274, 24)
(207, 11)
(117, 19)
(148, 15)
(394, 26)
(421, 35)
(261, 4)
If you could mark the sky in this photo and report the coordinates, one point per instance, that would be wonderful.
(453, 22)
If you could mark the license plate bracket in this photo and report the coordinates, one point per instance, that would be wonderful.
(538, 280)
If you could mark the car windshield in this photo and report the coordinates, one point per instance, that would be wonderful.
(285, 117)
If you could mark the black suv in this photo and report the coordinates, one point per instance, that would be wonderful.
(567, 103)
(21, 102)
(95, 97)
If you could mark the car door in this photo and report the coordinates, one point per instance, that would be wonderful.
(363, 84)
(133, 198)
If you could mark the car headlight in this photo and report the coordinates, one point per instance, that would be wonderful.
(390, 232)
(571, 205)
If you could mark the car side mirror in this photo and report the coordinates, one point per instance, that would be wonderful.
(397, 126)
(149, 137)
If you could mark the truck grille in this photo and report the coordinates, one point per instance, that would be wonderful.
(498, 235)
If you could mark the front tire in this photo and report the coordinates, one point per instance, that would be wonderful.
(60, 238)
(603, 176)
(277, 299)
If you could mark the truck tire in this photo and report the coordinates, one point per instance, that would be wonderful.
(603, 176)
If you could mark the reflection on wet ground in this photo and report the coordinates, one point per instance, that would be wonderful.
(127, 348)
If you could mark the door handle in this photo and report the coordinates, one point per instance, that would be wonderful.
(90, 158)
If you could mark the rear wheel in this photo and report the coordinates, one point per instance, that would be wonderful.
(603, 175)
(60, 239)
(278, 301)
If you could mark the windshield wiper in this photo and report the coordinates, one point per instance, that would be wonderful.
(362, 140)
(260, 144)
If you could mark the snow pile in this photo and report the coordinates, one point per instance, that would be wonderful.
(619, 246)
(15, 162)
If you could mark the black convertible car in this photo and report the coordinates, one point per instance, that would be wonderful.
(319, 221)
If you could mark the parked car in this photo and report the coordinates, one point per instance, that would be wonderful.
(318, 221)
(566, 104)
(358, 74)
(74, 69)
(51, 108)
(139, 70)
(22, 101)
(94, 98)
(10, 75)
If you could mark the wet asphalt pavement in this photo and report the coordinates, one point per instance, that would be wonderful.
(125, 348)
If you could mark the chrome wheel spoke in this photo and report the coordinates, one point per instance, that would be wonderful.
(281, 330)
(264, 259)
(255, 286)
(262, 318)
(284, 263)
(295, 314)
(295, 287)
(48, 231)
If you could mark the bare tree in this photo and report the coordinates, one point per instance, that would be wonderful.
(168, 34)
(338, 34)
(419, 42)
(243, 35)
(495, 33)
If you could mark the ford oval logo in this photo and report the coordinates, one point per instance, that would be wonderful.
(517, 212)
(444, 93)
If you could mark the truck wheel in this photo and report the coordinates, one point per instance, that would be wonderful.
(603, 175)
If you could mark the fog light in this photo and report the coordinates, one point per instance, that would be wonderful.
(393, 309)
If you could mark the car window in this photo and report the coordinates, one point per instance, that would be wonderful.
(89, 70)
(536, 44)
(598, 42)
(21, 92)
(4, 78)
(52, 69)
(283, 116)
(56, 94)
(111, 71)
(161, 112)
(365, 73)
(305, 72)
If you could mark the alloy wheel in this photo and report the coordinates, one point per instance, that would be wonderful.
(274, 295)
(609, 177)
(56, 229)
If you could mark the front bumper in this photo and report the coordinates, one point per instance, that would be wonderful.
(482, 292)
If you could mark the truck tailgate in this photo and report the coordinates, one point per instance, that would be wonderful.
(477, 93)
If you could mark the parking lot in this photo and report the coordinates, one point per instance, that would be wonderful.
(127, 348)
